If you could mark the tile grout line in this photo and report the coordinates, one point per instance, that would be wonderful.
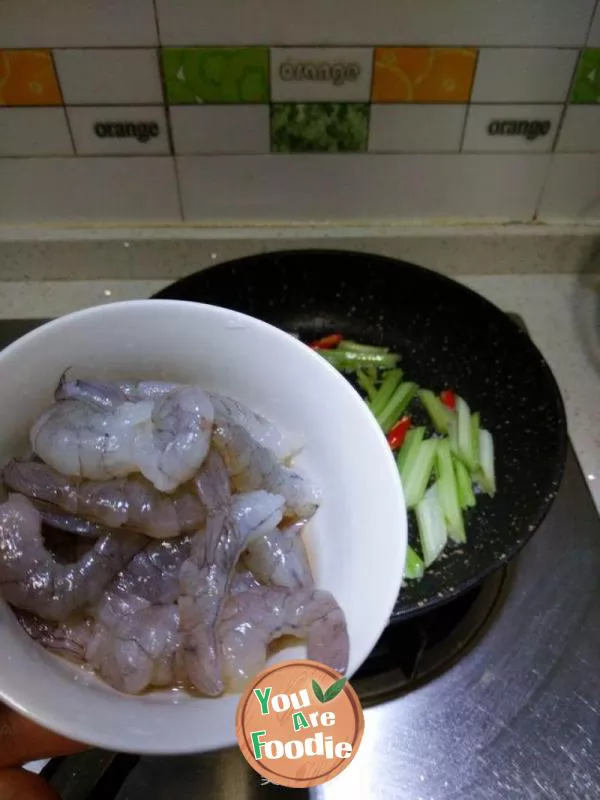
(567, 103)
(64, 105)
(167, 111)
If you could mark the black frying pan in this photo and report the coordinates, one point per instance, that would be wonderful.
(448, 336)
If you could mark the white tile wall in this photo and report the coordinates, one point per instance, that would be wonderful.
(523, 75)
(379, 22)
(117, 76)
(478, 137)
(76, 23)
(312, 74)
(34, 132)
(220, 129)
(580, 131)
(572, 190)
(110, 130)
(359, 187)
(594, 38)
(416, 128)
(80, 190)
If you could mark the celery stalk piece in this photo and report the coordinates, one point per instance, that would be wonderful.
(385, 391)
(414, 567)
(439, 413)
(396, 405)
(366, 383)
(464, 485)
(348, 360)
(432, 528)
(475, 426)
(415, 476)
(357, 347)
(487, 470)
(448, 493)
(408, 452)
(464, 433)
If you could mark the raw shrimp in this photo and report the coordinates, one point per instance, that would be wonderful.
(93, 435)
(242, 581)
(134, 642)
(70, 523)
(226, 409)
(206, 575)
(31, 579)
(153, 573)
(131, 502)
(251, 620)
(130, 643)
(253, 466)
(280, 558)
(70, 639)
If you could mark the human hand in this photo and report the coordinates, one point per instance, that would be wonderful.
(22, 741)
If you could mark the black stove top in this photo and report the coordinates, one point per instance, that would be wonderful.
(413, 660)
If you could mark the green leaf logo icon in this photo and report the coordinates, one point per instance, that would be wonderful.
(318, 692)
(331, 693)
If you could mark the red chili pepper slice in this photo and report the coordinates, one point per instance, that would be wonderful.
(448, 398)
(398, 433)
(327, 342)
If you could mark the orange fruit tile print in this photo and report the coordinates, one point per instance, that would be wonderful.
(423, 74)
(27, 78)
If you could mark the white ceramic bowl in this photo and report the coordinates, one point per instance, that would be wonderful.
(357, 540)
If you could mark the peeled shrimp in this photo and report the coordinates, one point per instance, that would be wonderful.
(70, 523)
(280, 558)
(32, 580)
(153, 573)
(205, 577)
(130, 643)
(69, 639)
(93, 435)
(251, 620)
(131, 502)
(134, 642)
(226, 409)
(253, 466)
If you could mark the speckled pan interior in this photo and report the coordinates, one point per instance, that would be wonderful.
(448, 336)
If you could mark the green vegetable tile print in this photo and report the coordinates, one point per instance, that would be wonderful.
(216, 74)
(586, 88)
(319, 127)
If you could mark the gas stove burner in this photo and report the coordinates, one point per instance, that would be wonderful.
(410, 653)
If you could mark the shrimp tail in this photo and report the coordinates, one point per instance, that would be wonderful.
(101, 395)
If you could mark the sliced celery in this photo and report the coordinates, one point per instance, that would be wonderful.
(357, 347)
(396, 405)
(464, 433)
(448, 493)
(464, 485)
(415, 475)
(414, 567)
(487, 471)
(348, 360)
(475, 424)
(385, 391)
(432, 528)
(366, 383)
(410, 448)
(439, 413)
